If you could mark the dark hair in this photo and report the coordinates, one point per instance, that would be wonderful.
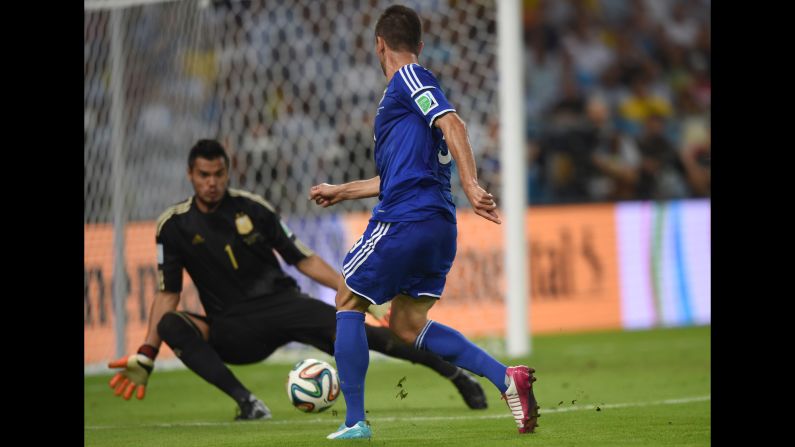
(209, 149)
(400, 27)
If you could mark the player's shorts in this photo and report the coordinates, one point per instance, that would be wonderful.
(409, 258)
(251, 331)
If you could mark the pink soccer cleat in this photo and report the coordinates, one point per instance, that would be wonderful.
(520, 399)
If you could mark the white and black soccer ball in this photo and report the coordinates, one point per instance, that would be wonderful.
(313, 385)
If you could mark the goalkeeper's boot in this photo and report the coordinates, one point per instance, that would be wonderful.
(470, 390)
(253, 409)
(520, 399)
(360, 430)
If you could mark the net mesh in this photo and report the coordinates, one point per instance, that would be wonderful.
(290, 87)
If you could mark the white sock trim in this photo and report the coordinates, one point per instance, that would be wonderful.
(421, 337)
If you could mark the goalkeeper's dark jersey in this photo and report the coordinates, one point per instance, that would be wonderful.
(228, 253)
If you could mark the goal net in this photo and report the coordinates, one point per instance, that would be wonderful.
(291, 88)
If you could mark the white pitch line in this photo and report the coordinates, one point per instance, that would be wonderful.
(683, 400)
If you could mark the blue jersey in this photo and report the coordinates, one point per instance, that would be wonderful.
(411, 155)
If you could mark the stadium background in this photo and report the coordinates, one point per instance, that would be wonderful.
(617, 103)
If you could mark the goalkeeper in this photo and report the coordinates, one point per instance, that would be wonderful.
(225, 239)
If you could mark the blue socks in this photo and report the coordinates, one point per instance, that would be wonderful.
(452, 346)
(353, 357)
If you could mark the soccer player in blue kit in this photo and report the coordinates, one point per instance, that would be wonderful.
(410, 242)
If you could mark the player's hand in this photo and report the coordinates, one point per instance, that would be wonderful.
(137, 368)
(381, 312)
(326, 195)
(483, 203)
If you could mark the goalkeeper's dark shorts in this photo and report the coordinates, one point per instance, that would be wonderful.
(251, 331)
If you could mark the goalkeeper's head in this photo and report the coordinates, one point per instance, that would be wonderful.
(208, 172)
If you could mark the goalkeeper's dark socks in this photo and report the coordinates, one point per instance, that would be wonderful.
(381, 339)
(452, 346)
(199, 356)
(204, 361)
(353, 357)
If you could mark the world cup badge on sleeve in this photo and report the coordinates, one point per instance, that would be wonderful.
(243, 223)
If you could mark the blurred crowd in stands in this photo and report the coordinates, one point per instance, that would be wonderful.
(617, 100)
(617, 95)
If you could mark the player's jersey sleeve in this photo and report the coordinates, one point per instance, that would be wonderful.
(169, 259)
(422, 93)
(284, 241)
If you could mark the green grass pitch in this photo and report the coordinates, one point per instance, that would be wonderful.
(649, 388)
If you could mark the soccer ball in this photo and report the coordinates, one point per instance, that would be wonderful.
(313, 386)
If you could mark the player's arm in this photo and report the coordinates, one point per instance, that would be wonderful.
(316, 268)
(136, 368)
(326, 195)
(455, 134)
(292, 250)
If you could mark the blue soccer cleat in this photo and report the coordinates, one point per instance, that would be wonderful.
(360, 430)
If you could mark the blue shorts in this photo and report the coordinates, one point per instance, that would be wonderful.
(409, 258)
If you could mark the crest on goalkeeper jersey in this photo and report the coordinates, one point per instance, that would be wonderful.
(243, 223)
(426, 102)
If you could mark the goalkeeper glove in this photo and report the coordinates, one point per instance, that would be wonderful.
(137, 368)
